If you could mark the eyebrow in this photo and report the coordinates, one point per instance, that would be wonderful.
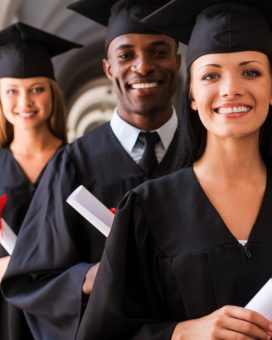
(31, 85)
(243, 63)
(153, 43)
(249, 62)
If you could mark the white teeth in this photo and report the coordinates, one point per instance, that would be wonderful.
(144, 85)
(26, 114)
(236, 109)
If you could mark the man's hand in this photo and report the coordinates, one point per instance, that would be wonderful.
(89, 279)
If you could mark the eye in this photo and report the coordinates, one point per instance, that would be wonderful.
(11, 92)
(161, 52)
(125, 55)
(37, 89)
(210, 76)
(251, 74)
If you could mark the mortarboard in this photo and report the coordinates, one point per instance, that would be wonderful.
(118, 15)
(26, 51)
(216, 26)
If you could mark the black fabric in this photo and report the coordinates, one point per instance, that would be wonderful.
(170, 258)
(26, 51)
(58, 244)
(117, 15)
(149, 161)
(19, 190)
(216, 26)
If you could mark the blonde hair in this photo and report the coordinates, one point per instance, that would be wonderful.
(57, 122)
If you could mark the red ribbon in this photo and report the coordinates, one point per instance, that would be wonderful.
(113, 210)
(3, 201)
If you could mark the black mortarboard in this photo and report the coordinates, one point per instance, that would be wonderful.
(26, 51)
(118, 15)
(216, 26)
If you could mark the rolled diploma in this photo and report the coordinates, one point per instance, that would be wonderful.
(262, 301)
(8, 238)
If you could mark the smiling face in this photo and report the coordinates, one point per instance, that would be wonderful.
(26, 103)
(231, 92)
(144, 70)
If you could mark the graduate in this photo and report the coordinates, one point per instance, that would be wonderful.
(32, 129)
(51, 278)
(188, 251)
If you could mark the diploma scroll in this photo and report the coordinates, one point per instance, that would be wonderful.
(92, 209)
(7, 238)
(262, 301)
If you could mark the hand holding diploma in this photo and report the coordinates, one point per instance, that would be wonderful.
(228, 323)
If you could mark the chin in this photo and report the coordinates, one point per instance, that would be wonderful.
(146, 111)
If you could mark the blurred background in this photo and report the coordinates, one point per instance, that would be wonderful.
(87, 91)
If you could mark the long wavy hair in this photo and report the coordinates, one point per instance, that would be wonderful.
(57, 121)
(193, 134)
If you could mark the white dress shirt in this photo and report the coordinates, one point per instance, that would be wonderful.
(128, 136)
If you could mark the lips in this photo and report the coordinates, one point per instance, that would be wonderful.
(233, 109)
(26, 114)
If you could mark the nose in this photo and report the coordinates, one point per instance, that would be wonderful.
(231, 86)
(25, 99)
(143, 65)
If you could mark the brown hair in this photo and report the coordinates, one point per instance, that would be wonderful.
(57, 122)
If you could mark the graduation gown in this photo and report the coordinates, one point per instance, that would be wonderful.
(63, 245)
(19, 191)
(169, 258)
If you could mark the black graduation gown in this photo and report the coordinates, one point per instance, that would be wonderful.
(63, 244)
(19, 190)
(170, 257)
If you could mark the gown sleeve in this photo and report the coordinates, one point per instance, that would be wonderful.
(127, 300)
(48, 266)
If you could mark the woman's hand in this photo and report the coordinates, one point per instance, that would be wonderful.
(228, 322)
(89, 279)
(4, 261)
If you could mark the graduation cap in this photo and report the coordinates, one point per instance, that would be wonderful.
(26, 51)
(216, 26)
(120, 16)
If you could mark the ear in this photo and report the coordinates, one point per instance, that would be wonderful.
(107, 68)
(178, 60)
(270, 101)
(193, 103)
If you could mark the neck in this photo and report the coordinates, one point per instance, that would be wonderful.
(146, 121)
(27, 142)
(232, 159)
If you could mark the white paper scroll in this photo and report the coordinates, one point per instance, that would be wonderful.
(7, 237)
(262, 301)
(92, 209)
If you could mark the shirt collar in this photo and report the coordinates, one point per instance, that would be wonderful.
(168, 129)
(128, 134)
(125, 133)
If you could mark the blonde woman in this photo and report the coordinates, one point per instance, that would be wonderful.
(32, 129)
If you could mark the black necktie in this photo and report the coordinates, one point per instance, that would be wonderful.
(149, 160)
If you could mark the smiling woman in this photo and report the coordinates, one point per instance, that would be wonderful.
(32, 129)
(232, 95)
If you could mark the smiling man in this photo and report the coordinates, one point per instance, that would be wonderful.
(143, 70)
(52, 277)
